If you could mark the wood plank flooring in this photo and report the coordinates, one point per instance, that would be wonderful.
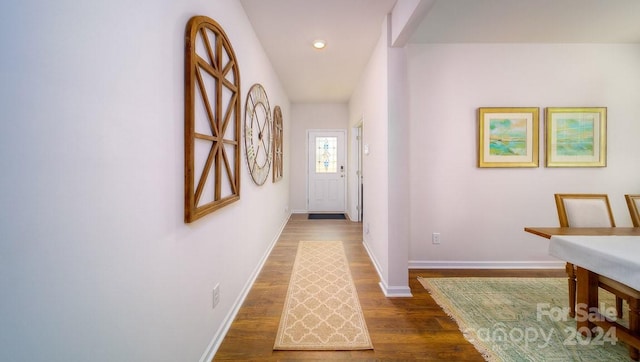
(400, 328)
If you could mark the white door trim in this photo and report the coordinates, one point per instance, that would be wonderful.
(354, 180)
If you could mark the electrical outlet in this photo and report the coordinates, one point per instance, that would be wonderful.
(435, 238)
(216, 295)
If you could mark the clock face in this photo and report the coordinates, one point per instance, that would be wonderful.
(257, 134)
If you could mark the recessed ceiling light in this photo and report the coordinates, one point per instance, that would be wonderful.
(319, 44)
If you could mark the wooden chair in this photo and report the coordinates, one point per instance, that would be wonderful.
(633, 202)
(584, 210)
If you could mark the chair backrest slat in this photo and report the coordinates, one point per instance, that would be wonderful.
(633, 202)
(584, 210)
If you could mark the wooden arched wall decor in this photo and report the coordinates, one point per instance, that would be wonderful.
(212, 120)
(277, 144)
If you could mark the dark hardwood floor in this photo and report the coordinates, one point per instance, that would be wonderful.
(401, 329)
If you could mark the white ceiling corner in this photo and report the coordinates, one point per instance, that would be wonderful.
(351, 28)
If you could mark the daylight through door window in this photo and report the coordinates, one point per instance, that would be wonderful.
(326, 154)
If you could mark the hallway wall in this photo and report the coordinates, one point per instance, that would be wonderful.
(370, 104)
(96, 263)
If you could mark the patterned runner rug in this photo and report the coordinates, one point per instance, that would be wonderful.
(523, 319)
(321, 310)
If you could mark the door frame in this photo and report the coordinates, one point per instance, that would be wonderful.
(356, 177)
(344, 156)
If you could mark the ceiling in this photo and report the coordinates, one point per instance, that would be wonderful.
(531, 21)
(286, 29)
(351, 28)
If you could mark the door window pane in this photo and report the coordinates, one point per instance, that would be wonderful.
(326, 154)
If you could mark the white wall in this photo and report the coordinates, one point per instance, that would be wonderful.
(399, 172)
(380, 101)
(369, 103)
(306, 116)
(96, 263)
(481, 213)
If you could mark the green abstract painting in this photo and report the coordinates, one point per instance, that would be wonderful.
(508, 137)
(574, 137)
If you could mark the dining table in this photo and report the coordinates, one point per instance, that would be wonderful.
(609, 252)
(548, 232)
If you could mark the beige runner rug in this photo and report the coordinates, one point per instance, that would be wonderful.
(321, 310)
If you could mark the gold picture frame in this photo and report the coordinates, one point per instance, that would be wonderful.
(508, 137)
(576, 137)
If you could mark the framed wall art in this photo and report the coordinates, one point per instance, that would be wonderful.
(508, 137)
(212, 120)
(576, 137)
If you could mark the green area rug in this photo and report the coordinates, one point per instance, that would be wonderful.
(523, 319)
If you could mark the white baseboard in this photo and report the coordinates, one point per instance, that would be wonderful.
(389, 291)
(395, 292)
(218, 337)
(434, 264)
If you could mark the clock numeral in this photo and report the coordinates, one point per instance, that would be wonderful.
(252, 112)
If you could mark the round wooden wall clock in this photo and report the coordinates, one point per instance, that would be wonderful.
(258, 134)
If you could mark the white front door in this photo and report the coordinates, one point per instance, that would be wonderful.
(327, 171)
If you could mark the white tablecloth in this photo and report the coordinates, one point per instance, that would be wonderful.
(615, 257)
